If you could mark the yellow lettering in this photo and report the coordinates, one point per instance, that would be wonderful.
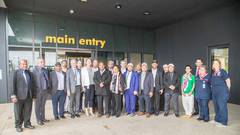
(50, 39)
(102, 42)
(60, 40)
(82, 42)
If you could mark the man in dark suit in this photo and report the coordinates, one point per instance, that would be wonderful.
(22, 96)
(171, 85)
(58, 91)
(102, 81)
(145, 91)
(41, 79)
(158, 87)
(195, 71)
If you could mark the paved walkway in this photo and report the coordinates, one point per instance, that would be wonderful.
(124, 125)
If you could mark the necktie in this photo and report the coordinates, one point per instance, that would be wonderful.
(171, 74)
(24, 75)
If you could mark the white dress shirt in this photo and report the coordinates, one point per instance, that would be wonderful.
(129, 76)
(60, 78)
(154, 72)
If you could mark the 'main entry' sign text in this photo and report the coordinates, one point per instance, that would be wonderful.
(72, 41)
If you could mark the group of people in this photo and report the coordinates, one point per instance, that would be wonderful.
(108, 90)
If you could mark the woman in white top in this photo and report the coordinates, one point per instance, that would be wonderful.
(88, 87)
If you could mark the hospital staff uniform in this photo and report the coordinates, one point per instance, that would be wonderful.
(203, 95)
(220, 96)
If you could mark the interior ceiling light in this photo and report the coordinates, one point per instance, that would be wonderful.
(71, 11)
(118, 6)
(83, 1)
(146, 13)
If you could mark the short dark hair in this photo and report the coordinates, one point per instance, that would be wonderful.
(188, 66)
(58, 64)
(199, 59)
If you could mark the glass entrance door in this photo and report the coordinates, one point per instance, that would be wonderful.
(221, 53)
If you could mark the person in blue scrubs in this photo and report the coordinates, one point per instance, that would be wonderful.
(221, 84)
(203, 93)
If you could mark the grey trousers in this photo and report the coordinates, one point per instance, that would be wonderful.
(40, 104)
(174, 96)
(75, 101)
(22, 112)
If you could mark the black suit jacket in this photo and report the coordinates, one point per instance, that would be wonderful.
(106, 79)
(20, 88)
(158, 80)
(175, 82)
(54, 82)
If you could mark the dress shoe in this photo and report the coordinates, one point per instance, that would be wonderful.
(57, 118)
(140, 113)
(72, 116)
(166, 114)
(206, 120)
(29, 126)
(177, 115)
(156, 113)
(195, 113)
(132, 114)
(45, 120)
(19, 129)
(199, 119)
(148, 115)
(63, 117)
(40, 123)
(77, 115)
(118, 115)
(99, 115)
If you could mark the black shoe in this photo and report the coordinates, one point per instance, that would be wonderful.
(206, 120)
(108, 116)
(177, 115)
(19, 129)
(77, 115)
(118, 115)
(57, 118)
(199, 119)
(156, 113)
(45, 120)
(40, 123)
(166, 114)
(63, 117)
(72, 116)
(196, 113)
(29, 126)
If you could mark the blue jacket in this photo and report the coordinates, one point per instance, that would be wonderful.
(134, 83)
(203, 87)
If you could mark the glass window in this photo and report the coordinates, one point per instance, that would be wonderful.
(148, 58)
(222, 54)
(16, 54)
(135, 58)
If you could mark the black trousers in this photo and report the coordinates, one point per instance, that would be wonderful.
(100, 100)
(116, 104)
(89, 96)
(40, 104)
(156, 101)
(196, 106)
(22, 112)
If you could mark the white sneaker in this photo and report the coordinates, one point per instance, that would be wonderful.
(220, 125)
(213, 122)
(86, 112)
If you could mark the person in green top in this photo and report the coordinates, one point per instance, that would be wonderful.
(187, 87)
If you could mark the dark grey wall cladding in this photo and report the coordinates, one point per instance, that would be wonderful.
(182, 42)
(3, 55)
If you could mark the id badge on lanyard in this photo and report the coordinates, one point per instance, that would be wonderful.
(204, 84)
